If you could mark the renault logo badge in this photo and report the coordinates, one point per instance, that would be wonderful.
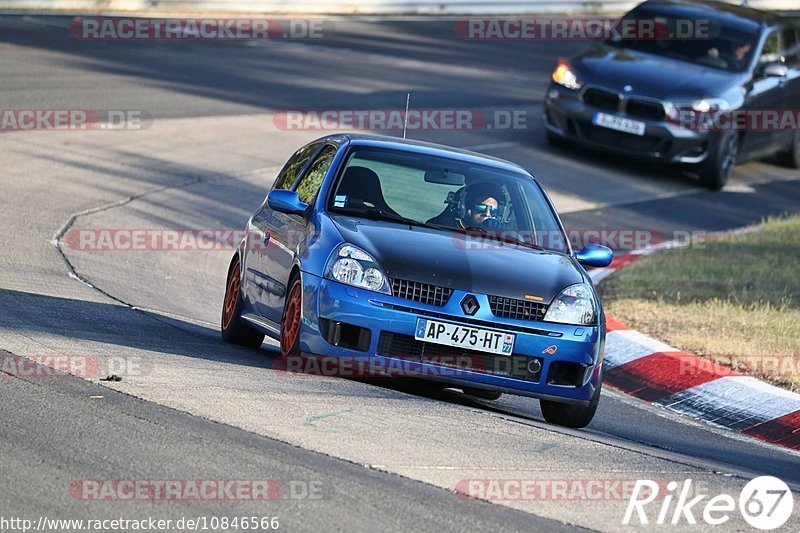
(469, 304)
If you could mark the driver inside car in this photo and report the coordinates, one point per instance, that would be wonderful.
(480, 209)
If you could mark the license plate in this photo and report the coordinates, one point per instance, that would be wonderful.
(614, 122)
(482, 340)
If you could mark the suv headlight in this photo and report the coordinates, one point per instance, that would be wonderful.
(697, 114)
(353, 266)
(562, 75)
(575, 305)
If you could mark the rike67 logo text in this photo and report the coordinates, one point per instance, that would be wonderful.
(765, 503)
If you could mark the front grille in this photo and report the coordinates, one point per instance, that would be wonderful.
(408, 348)
(516, 309)
(645, 109)
(601, 99)
(425, 293)
(474, 322)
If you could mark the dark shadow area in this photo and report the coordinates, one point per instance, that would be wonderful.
(122, 326)
(346, 68)
(118, 325)
(357, 64)
(704, 211)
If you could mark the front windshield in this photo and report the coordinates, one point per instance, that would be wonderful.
(448, 195)
(712, 43)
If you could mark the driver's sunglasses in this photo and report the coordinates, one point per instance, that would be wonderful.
(483, 208)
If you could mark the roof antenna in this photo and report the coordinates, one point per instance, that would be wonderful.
(405, 119)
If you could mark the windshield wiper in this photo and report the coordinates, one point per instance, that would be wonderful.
(377, 213)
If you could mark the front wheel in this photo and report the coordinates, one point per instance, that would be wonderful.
(570, 415)
(717, 168)
(234, 329)
(292, 316)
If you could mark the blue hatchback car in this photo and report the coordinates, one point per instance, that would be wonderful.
(422, 260)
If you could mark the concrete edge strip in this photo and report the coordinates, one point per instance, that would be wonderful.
(687, 384)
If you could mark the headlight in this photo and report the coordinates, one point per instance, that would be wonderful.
(699, 113)
(575, 305)
(711, 105)
(562, 75)
(351, 265)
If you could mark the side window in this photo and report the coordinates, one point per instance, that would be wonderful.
(771, 51)
(312, 180)
(292, 168)
(791, 46)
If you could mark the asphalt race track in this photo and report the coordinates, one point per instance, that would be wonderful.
(351, 455)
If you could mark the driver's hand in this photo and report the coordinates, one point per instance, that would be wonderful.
(493, 223)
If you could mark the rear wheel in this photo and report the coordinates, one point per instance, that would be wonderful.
(482, 393)
(717, 168)
(234, 329)
(570, 415)
(292, 316)
(791, 157)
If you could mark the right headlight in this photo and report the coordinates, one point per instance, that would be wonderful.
(575, 305)
(353, 266)
(698, 113)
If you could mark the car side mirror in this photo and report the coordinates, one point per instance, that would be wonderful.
(595, 255)
(775, 70)
(287, 202)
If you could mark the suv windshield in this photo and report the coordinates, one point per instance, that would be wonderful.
(714, 44)
(446, 194)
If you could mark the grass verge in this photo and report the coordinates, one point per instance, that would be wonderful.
(733, 300)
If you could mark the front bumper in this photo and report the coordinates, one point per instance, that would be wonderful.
(566, 116)
(569, 356)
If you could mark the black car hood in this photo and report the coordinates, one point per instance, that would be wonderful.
(651, 75)
(442, 258)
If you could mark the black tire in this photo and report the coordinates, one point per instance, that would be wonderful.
(291, 319)
(233, 328)
(717, 168)
(791, 157)
(482, 393)
(571, 415)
